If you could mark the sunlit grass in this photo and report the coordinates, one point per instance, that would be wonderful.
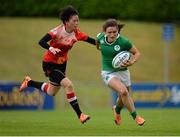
(159, 122)
(20, 53)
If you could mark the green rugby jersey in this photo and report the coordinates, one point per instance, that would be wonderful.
(110, 50)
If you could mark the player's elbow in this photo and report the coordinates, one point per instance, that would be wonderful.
(40, 42)
(137, 54)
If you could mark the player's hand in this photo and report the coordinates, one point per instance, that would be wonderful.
(54, 50)
(128, 63)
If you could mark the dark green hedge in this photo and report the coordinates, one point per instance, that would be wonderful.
(148, 10)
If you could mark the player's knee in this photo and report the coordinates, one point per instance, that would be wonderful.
(124, 92)
(51, 93)
(52, 90)
(68, 86)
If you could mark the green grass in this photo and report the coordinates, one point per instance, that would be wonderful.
(20, 53)
(163, 122)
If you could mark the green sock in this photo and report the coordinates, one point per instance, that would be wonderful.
(133, 114)
(118, 109)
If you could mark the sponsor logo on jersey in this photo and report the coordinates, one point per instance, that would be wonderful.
(102, 41)
(117, 48)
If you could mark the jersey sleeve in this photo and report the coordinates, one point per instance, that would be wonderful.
(99, 36)
(81, 35)
(128, 44)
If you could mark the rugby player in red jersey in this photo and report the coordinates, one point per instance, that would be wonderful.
(61, 39)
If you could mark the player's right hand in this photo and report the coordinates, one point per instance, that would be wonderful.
(54, 50)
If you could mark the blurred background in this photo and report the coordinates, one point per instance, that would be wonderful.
(23, 23)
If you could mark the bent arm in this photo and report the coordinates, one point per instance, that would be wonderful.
(44, 41)
(136, 54)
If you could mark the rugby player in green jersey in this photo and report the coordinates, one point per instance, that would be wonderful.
(110, 43)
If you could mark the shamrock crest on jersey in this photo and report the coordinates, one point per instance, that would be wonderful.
(117, 48)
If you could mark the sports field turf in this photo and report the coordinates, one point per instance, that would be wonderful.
(19, 44)
(164, 122)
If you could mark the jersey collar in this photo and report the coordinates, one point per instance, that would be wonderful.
(64, 29)
(113, 41)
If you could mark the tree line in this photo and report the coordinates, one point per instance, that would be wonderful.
(146, 10)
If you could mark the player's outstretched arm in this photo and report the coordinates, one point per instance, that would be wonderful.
(91, 40)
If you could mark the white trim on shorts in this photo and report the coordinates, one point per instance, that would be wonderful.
(123, 76)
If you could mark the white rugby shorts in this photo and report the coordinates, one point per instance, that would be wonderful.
(123, 76)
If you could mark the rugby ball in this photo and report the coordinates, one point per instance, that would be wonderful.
(120, 58)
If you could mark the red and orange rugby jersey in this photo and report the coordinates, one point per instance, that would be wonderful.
(63, 41)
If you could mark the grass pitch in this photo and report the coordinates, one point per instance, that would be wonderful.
(21, 53)
(163, 122)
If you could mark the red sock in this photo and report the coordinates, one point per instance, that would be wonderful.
(72, 99)
(71, 96)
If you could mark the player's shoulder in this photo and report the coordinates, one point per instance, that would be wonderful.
(100, 38)
(123, 38)
(56, 29)
(80, 35)
(77, 31)
(125, 42)
(100, 35)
